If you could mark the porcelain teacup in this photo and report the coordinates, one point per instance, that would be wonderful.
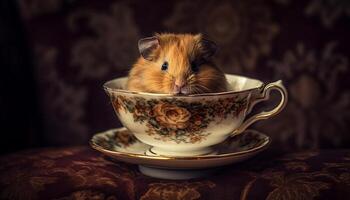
(190, 125)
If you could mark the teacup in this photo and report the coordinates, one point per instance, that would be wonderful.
(191, 125)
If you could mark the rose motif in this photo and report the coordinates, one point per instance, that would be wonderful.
(171, 116)
(172, 121)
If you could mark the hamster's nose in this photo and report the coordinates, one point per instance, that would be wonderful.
(179, 87)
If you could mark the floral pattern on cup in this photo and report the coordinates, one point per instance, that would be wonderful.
(176, 120)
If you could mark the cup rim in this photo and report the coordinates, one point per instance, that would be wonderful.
(123, 91)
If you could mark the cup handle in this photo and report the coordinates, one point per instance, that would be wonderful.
(263, 96)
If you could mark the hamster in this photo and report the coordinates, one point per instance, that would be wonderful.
(178, 64)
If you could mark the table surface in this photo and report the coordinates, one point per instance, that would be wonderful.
(82, 173)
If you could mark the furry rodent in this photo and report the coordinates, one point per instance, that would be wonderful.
(176, 64)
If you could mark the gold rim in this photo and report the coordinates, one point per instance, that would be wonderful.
(109, 89)
(264, 144)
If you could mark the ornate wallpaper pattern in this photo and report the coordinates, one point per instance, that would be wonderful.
(80, 44)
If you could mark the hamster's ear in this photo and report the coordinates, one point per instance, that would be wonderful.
(209, 48)
(147, 45)
(206, 46)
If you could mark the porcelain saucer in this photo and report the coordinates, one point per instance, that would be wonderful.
(121, 145)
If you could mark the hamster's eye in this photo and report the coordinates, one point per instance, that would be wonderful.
(165, 66)
(194, 67)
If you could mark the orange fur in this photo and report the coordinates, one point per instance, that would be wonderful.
(179, 50)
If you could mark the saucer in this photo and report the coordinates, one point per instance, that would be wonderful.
(122, 145)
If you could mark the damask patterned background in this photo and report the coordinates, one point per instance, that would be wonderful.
(62, 51)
